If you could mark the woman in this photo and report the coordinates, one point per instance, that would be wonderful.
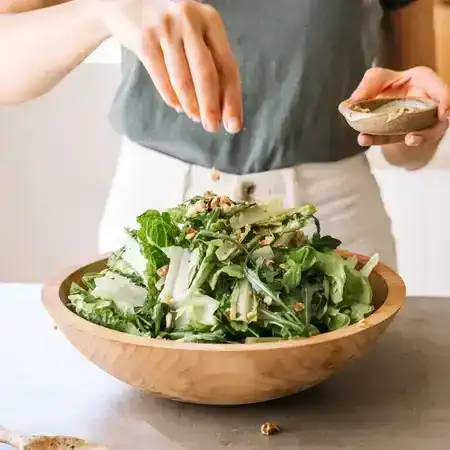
(282, 132)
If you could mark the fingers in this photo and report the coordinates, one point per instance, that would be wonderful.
(434, 86)
(206, 81)
(367, 140)
(415, 139)
(444, 105)
(228, 71)
(156, 67)
(375, 81)
(190, 61)
(429, 135)
(179, 71)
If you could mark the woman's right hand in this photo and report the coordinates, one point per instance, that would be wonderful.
(185, 49)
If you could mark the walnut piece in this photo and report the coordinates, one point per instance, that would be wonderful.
(268, 428)
(215, 174)
(162, 272)
(191, 233)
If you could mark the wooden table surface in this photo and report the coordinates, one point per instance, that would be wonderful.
(396, 396)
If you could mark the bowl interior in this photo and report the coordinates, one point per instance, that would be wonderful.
(388, 295)
(387, 105)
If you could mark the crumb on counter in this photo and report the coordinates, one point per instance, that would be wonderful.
(268, 428)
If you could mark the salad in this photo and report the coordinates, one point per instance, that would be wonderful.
(220, 271)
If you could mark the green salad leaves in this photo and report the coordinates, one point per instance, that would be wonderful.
(219, 271)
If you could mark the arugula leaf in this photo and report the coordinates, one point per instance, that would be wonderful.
(333, 267)
(305, 257)
(292, 276)
(324, 243)
(232, 270)
(357, 288)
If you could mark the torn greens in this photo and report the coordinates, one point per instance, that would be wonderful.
(214, 270)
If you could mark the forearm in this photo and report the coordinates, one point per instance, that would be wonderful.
(39, 48)
(410, 158)
(19, 6)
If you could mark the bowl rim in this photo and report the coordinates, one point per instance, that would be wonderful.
(346, 107)
(61, 314)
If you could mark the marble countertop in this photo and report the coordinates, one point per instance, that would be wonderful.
(396, 396)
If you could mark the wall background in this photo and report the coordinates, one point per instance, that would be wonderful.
(57, 159)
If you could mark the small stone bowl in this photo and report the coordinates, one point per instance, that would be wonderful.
(390, 116)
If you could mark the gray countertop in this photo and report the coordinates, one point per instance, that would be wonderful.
(397, 396)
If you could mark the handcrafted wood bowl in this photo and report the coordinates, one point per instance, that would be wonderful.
(222, 374)
(390, 116)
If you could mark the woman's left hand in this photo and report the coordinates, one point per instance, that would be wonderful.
(415, 82)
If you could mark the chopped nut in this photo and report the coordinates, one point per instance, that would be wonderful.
(196, 208)
(268, 428)
(215, 202)
(268, 262)
(208, 195)
(364, 323)
(268, 300)
(225, 200)
(281, 245)
(266, 241)
(215, 174)
(299, 236)
(298, 307)
(191, 233)
(225, 208)
(162, 272)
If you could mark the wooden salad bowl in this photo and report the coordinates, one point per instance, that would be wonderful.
(222, 374)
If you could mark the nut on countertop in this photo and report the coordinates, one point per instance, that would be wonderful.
(269, 428)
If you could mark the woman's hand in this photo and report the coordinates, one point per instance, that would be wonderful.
(185, 49)
(416, 82)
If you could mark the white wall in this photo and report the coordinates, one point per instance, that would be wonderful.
(57, 159)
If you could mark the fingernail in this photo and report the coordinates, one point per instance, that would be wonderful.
(195, 119)
(210, 127)
(232, 125)
(363, 140)
(414, 140)
(178, 109)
